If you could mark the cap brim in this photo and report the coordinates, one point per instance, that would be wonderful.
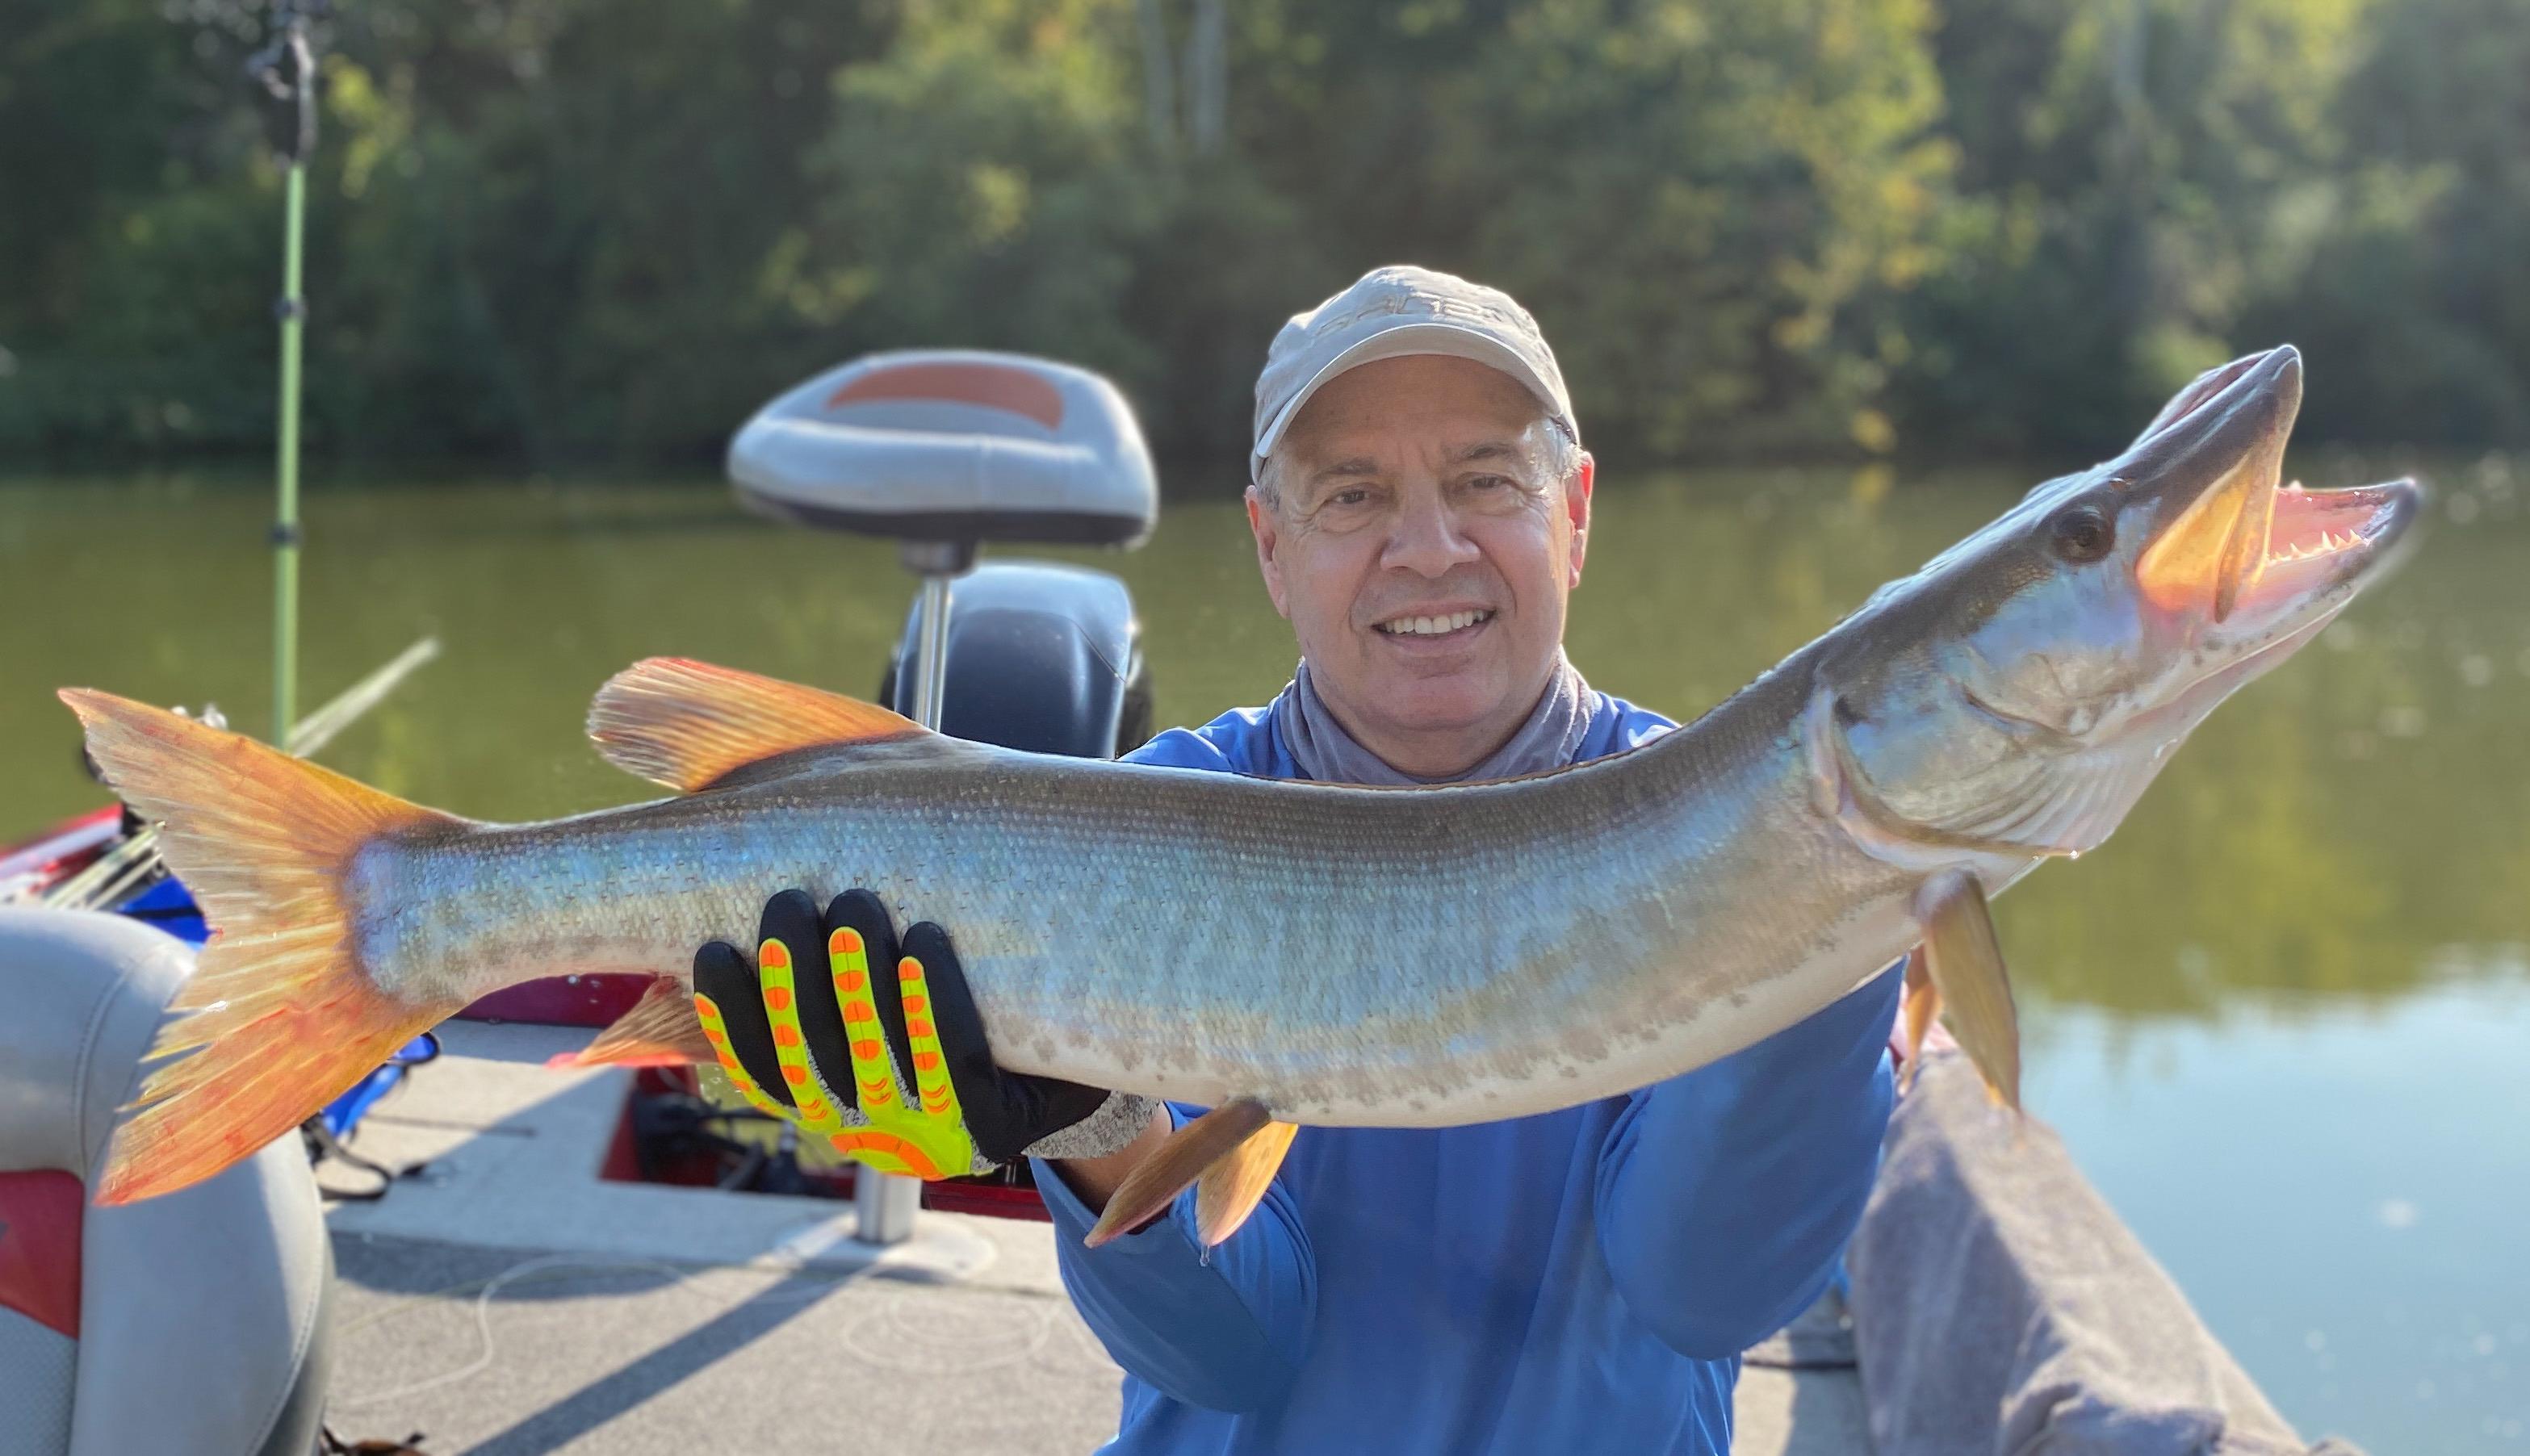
(1402, 342)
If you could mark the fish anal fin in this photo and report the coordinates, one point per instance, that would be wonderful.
(688, 725)
(1230, 1190)
(1963, 966)
(661, 1030)
(1186, 1154)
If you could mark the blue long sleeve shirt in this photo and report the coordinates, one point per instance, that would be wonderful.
(1578, 1282)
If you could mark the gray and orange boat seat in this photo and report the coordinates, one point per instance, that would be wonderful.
(958, 445)
(191, 1323)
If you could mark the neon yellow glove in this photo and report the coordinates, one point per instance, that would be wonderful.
(889, 1064)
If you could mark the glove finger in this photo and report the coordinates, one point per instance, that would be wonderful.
(865, 912)
(791, 917)
(791, 947)
(1004, 1111)
(927, 963)
(817, 1014)
(861, 948)
(727, 1000)
(955, 1027)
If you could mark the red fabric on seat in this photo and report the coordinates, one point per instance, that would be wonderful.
(39, 1247)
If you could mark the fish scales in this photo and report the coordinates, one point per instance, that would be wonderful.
(1346, 955)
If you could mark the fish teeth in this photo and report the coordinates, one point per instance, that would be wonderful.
(2330, 542)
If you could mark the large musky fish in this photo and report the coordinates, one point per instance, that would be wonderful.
(1292, 953)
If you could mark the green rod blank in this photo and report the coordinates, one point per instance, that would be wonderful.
(285, 528)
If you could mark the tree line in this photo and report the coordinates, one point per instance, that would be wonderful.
(562, 232)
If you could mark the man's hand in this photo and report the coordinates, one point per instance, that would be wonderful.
(878, 1046)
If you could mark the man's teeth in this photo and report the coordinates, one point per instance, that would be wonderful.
(1432, 627)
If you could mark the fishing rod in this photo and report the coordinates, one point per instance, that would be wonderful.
(286, 72)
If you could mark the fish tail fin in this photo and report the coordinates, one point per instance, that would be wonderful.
(283, 1016)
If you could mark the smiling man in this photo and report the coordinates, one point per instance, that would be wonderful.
(1578, 1282)
(1421, 519)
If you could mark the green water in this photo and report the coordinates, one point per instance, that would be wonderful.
(2283, 1018)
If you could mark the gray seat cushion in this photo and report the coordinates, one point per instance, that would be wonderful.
(200, 1314)
(951, 446)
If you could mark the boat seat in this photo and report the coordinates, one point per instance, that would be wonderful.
(959, 445)
(195, 1321)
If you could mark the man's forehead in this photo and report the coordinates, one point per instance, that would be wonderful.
(1467, 413)
(1335, 460)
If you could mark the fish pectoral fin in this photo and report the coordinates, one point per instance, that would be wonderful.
(690, 724)
(1187, 1154)
(1230, 1190)
(661, 1030)
(1964, 967)
(1921, 1004)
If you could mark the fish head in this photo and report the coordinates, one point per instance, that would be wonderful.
(2016, 694)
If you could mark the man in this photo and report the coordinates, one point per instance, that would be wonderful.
(1578, 1282)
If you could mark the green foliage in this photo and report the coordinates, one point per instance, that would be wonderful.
(602, 230)
(1709, 278)
(982, 184)
(2124, 168)
(2416, 280)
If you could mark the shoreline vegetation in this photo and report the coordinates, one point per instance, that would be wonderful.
(578, 236)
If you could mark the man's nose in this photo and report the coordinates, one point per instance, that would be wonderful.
(1425, 537)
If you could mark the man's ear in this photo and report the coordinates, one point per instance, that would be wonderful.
(1268, 528)
(1576, 509)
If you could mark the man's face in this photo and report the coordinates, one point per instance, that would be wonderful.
(1423, 553)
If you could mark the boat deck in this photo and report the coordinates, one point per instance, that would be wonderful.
(506, 1300)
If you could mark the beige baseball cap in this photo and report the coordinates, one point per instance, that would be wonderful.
(1392, 312)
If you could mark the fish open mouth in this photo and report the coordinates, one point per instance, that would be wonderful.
(2246, 545)
(2319, 539)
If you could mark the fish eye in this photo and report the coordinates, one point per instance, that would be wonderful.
(2082, 534)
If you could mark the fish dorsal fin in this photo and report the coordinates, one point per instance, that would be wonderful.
(689, 724)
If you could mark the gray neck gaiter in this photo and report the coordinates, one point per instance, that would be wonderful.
(1325, 752)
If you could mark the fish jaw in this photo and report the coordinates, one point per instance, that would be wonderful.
(2021, 692)
(2238, 555)
(2239, 569)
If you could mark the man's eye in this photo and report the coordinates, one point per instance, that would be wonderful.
(1350, 495)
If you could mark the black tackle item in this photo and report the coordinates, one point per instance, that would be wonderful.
(285, 73)
(1004, 1112)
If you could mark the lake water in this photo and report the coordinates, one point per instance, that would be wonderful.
(2283, 1018)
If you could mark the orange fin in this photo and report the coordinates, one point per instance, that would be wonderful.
(1187, 1154)
(1921, 1004)
(1963, 963)
(661, 1030)
(284, 1018)
(689, 724)
(1230, 1190)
